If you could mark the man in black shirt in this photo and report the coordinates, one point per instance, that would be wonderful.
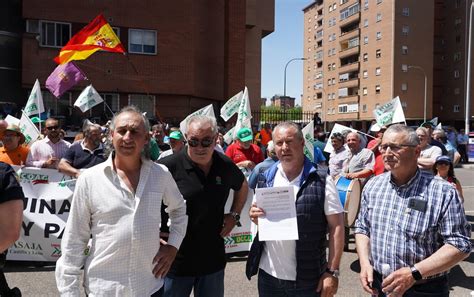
(11, 217)
(83, 154)
(204, 178)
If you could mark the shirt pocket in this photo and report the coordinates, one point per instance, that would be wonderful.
(416, 225)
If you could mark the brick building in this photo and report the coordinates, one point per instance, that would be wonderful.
(362, 53)
(182, 55)
(283, 101)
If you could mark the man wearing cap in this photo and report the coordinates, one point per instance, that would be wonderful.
(374, 144)
(48, 152)
(85, 153)
(242, 152)
(13, 152)
(176, 140)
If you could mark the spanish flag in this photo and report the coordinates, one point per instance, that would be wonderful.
(98, 35)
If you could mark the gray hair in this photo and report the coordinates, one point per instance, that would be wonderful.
(440, 132)
(288, 125)
(412, 138)
(356, 134)
(87, 129)
(271, 147)
(423, 130)
(203, 119)
(109, 148)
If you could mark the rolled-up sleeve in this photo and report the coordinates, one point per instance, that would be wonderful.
(74, 242)
(454, 227)
(176, 208)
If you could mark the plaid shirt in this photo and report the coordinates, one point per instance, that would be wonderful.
(401, 236)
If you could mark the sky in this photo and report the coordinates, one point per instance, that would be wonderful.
(284, 44)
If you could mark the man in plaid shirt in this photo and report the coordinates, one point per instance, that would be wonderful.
(411, 227)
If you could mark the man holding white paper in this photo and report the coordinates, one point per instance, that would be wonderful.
(299, 267)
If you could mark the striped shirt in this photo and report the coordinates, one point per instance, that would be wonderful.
(44, 149)
(401, 236)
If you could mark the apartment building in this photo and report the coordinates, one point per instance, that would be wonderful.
(360, 54)
(181, 55)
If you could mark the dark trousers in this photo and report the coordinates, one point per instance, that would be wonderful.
(437, 287)
(462, 149)
(269, 286)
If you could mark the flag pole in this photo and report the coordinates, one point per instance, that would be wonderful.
(110, 109)
(39, 111)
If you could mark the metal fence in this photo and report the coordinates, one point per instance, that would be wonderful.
(277, 116)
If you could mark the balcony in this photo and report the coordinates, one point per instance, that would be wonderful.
(352, 19)
(348, 99)
(354, 82)
(349, 52)
(349, 67)
(348, 35)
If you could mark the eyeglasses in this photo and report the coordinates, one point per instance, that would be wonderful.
(394, 147)
(206, 142)
(52, 128)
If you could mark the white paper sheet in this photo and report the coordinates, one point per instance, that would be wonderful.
(279, 222)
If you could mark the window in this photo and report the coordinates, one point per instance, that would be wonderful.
(378, 53)
(364, 108)
(404, 50)
(57, 106)
(330, 8)
(342, 108)
(334, 6)
(32, 26)
(319, 55)
(333, 66)
(404, 86)
(366, 39)
(457, 3)
(366, 23)
(404, 67)
(457, 56)
(364, 91)
(457, 21)
(405, 30)
(377, 71)
(406, 11)
(146, 103)
(333, 81)
(377, 89)
(117, 31)
(365, 57)
(349, 11)
(456, 73)
(456, 108)
(344, 1)
(365, 74)
(354, 107)
(54, 34)
(366, 4)
(458, 38)
(379, 35)
(112, 100)
(329, 82)
(353, 42)
(142, 41)
(379, 1)
(379, 17)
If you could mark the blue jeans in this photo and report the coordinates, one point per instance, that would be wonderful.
(437, 287)
(209, 285)
(269, 286)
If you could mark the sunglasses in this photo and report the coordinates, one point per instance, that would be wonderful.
(52, 127)
(206, 142)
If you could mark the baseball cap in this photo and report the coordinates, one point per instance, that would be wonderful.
(245, 134)
(36, 120)
(176, 135)
(445, 159)
(15, 128)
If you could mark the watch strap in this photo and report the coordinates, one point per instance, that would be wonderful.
(415, 273)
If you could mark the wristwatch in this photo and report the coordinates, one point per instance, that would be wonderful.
(415, 273)
(334, 273)
(236, 217)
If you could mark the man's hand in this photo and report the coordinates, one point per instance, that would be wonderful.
(366, 277)
(52, 162)
(327, 285)
(398, 282)
(255, 212)
(229, 224)
(246, 164)
(163, 260)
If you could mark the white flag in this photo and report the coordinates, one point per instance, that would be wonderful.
(35, 105)
(434, 121)
(88, 99)
(207, 110)
(28, 129)
(229, 136)
(389, 113)
(308, 133)
(439, 126)
(336, 129)
(231, 107)
(244, 114)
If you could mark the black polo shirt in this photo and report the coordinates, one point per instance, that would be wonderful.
(10, 189)
(202, 251)
(79, 157)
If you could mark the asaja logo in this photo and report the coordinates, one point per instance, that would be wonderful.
(26, 248)
(34, 178)
(56, 250)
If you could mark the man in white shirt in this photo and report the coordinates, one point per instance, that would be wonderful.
(299, 267)
(118, 202)
(48, 152)
(428, 153)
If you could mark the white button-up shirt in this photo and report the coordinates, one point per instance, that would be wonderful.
(125, 229)
(44, 149)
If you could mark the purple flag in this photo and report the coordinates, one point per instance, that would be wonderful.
(63, 78)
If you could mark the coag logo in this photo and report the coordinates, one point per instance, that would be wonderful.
(34, 178)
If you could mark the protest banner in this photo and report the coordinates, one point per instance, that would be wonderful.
(308, 133)
(389, 113)
(88, 99)
(35, 104)
(231, 107)
(336, 129)
(206, 110)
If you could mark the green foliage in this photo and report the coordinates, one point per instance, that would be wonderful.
(274, 114)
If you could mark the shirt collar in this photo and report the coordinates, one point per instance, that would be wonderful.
(408, 183)
(296, 180)
(84, 148)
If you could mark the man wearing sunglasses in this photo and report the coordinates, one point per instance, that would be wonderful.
(47, 152)
(411, 227)
(204, 178)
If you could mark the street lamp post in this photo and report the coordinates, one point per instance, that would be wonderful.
(468, 72)
(426, 87)
(284, 77)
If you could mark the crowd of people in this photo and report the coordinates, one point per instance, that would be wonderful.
(150, 203)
